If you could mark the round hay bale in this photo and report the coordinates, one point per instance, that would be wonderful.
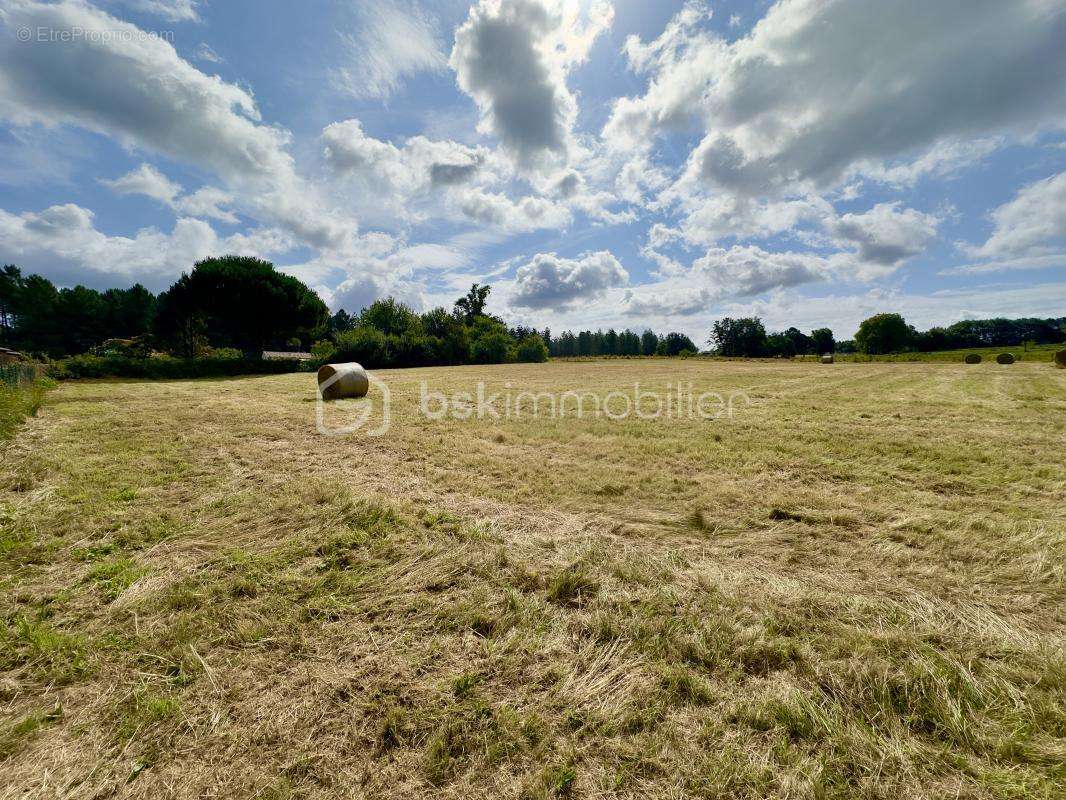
(973, 358)
(342, 380)
(1005, 358)
(827, 358)
(1060, 359)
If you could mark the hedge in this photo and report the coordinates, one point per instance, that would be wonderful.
(88, 366)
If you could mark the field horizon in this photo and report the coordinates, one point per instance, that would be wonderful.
(851, 585)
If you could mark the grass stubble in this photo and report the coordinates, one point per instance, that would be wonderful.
(854, 588)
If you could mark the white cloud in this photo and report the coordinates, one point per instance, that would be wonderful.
(551, 282)
(886, 236)
(1008, 264)
(150, 182)
(64, 239)
(513, 58)
(137, 90)
(738, 271)
(207, 202)
(394, 41)
(1032, 224)
(419, 165)
(146, 180)
(500, 211)
(170, 10)
(820, 89)
(205, 53)
(874, 244)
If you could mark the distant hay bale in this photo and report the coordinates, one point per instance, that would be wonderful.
(1005, 358)
(343, 380)
(827, 358)
(1060, 359)
(973, 358)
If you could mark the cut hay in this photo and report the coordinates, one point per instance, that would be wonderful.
(827, 358)
(1060, 359)
(1005, 358)
(336, 381)
(973, 358)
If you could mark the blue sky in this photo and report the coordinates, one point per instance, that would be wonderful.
(602, 164)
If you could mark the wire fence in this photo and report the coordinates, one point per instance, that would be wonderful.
(16, 375)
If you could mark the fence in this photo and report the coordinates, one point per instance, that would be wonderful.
(16, 375)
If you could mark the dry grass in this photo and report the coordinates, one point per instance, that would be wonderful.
(854, 588)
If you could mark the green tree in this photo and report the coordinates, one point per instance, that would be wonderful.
(130, 312)
(82, 312)
(823, 341)
(391, 318)
(649, 342)
(743, 337)
(610, 343)
(883, 333)
(532, 349)
(10, 286)
(492, 348)
(241, 302)
(340, 322)
(473, 304)
(38, 325)
(676, 343)
(780, 345)
(449, 336)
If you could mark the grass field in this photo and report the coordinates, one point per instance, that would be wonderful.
(1038, 353)
(854, 587)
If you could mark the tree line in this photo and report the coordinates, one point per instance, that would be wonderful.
(618, 343)
(238, 307)
(881, 334)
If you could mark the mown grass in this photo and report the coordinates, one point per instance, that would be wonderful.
(1037, 352)
(852, 588)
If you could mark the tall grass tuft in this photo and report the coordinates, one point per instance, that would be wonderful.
(18, 399)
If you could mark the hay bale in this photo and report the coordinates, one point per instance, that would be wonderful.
(1005, 358)
(343, 380)
(973, 358)
(827, 358)
(1060, 359)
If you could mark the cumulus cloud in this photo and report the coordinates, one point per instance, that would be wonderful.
(420, 164)
(513, 58)
(873, 244)
(139, 91)
(148, 181)
(394, 41)
(819, 88)
(500, 211)
(64, 239)
(886, 235)
(1032, 224)
(551, 282)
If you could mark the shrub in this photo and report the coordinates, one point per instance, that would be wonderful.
(168, 368)
(364, 344)
(532, 350)
(492, 348)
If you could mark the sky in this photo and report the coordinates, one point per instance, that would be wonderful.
(601, 163)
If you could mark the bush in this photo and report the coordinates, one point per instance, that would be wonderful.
(492, 348)
(532, 350)
(165, 367)
(365, 345)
